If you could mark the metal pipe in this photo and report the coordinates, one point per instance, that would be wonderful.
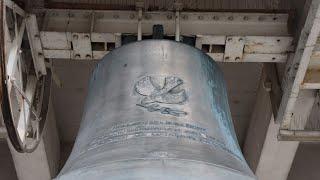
(139, 24)
(177, 23)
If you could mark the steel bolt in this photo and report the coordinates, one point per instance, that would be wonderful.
(147, 16)
(184, 17)
(215, 18)
(54, 14)
(261, 18)
(230, 18)
(116, 16)
(75, 36)
(267, 86)
(132, 16)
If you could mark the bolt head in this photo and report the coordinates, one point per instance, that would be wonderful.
(261, 18)
(132, 16)
(115, 16)
(75, 36)
(215, 18)
(184, 17)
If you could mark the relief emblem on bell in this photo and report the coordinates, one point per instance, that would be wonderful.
(159, 92)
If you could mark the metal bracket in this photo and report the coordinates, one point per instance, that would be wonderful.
(234, 48)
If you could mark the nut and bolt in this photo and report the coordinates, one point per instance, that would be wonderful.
(215, 18)
(261, 18)
(147, 16)
(132, 16)
(184, 17)
(75, 36)
(115, 16)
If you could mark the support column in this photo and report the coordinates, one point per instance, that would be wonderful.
(43, 163)
(268, 157)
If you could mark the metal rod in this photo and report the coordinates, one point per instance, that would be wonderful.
(177, 33)
(26, 99)
(139, 24)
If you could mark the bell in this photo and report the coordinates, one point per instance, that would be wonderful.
(156, 109)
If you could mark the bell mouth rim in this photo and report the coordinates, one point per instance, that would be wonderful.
(187, 164)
